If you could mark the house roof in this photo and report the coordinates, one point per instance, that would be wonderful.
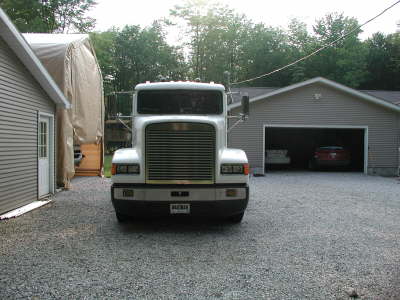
(388, 99)
(17, 43)
(390, 96)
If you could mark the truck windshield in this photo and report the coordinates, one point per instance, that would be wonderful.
(172, 102)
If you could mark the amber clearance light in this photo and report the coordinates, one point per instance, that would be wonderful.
(246, 169)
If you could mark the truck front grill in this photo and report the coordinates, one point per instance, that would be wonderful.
(180, 152)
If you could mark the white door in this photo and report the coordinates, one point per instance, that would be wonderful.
(44, 156)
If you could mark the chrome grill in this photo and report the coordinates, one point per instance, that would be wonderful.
(180, 152)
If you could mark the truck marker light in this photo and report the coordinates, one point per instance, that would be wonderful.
(231, 193)
(246, 169)
(128, 193)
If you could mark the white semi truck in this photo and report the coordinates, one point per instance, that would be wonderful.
(180, 163)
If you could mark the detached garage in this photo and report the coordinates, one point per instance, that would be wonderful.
(28, 102)
(302, 142)
(289, 127)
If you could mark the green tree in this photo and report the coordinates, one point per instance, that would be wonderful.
(383, 62)
(104, 45)
(143, 54)
(394, 66)
(216, 35)
(61, 16)
(345, 61)
(301, 43)
(266, 49)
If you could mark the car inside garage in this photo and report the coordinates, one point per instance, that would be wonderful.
(297, 148)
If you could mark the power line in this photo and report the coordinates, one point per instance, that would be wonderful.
(320, 49)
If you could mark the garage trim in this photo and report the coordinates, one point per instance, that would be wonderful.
(365, 128)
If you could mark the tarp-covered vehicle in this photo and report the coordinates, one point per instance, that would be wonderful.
(71, 61)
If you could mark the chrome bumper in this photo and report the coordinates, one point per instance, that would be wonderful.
(210, 200)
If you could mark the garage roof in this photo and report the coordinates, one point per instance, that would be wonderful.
(390, 96)
(17, 43)
(388, 99)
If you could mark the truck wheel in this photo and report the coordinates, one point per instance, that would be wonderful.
(236, 218)
(121, 218)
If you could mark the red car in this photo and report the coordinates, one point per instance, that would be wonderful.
(330, 156)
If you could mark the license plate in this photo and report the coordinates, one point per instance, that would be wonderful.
(127, 193)
(180, 208)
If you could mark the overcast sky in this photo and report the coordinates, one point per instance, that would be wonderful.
(118, 13)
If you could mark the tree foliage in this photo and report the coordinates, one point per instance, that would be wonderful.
(134, 55)
(50, 16)
(222, 40)
(218, 39)
(383, 62)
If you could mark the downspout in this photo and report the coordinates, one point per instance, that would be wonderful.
(398, 141)
(398, 162)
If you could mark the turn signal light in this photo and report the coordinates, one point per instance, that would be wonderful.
(113, 169)
(231, 193)
(246, 169)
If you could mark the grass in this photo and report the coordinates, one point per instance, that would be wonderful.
(107, 165)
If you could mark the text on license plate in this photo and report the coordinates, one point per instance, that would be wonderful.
(179, 208)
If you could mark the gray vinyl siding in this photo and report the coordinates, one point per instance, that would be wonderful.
(298, 107)
(21, 98)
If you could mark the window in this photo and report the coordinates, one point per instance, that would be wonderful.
(43, 140)
(177, 102)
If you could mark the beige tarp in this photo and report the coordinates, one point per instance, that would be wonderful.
(71, 61)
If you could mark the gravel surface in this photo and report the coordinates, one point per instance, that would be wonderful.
(304, 236)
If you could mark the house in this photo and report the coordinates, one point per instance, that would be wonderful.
(29, 99)
(318, 112)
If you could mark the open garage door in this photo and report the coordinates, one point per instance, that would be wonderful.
(294, 148)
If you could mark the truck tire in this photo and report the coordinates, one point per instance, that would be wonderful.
(121, 218)
(236, 218)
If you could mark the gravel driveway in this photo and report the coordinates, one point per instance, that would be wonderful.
(304, 236)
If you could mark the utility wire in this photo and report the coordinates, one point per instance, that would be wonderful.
(320, 49)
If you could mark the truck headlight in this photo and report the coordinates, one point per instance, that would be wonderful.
(235, 169)
(125, 169)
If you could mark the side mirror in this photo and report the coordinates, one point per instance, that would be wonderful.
(245, 104)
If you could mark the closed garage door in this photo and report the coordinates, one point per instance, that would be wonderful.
(293, 148)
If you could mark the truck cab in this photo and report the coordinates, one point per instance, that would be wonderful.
(179, 163)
